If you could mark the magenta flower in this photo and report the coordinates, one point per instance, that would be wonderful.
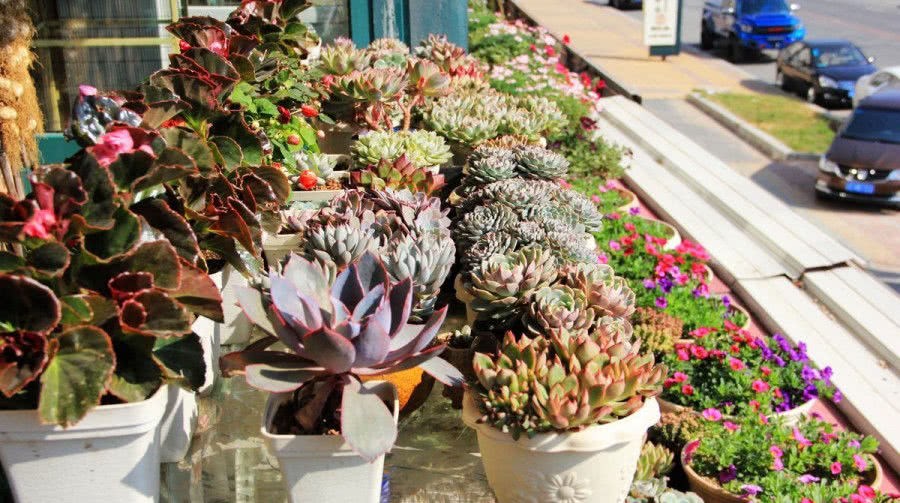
(736, 364)
(728, 474)
(680, 377)
(836, 468)
(808, 478)
(634, 210)
(614, 245)
(760, 386)
(776, 451)
(731, 426)
(777, 464)
(119, 141)
(661, 302)
(798, 436)
(750, 489)
(712, 414)
(860, 463)
(852, 443)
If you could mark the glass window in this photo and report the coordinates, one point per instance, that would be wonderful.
(802, 58)
(875, 125)
(838, 55)
(760, 6)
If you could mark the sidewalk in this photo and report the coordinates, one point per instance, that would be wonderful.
(613, 42)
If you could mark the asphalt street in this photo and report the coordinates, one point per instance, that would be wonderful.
(873, 25)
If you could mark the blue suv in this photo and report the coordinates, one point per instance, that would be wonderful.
(749, 25)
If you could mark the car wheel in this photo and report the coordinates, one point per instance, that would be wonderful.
(782, 81)
(812, 96)
(735, 51)
(706, 38)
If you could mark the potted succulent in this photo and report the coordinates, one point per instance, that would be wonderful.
(563, 415)
(732, 373)
(424, 149)
(317, 177)
(99, 320)
(770, 461)
(321, 422)
(650, 481)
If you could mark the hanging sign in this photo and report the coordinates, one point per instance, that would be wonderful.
(662, 26)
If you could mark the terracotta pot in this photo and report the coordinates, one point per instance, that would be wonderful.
(711, 492)
(630, 197)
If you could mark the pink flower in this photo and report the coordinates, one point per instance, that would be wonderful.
(602, 258)
(760, 386)
(687, 389)
(690, 448)
(614, 245)
(777, 464)
(860, 463)
(806, 500)
(595, 199)
(836, 468)
(680, 377)
(798, 436)
(808, 478)
(566, 39)
(763, 419)
(754, 404)
(86, 90)
(683, 355)
(736, 364)
(40, 224)
(119, 141)
(865, 491)
(731, 426)
(712, 414)
(629, 226)
(776, 451)
(699, 352)
(765, 370)
(856, 498)
(828, 437)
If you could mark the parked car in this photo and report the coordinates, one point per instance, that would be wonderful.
(868, 85)
(863, 162)
(825, 71)
(749, 25)
(625, 4)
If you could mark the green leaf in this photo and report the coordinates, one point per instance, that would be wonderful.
(190, 144)
(183, 358)
(229, 150)
(29, 306)
(102, 201)
(241, 95)
(137, 374)
(81, 363)
(266, 107)
(153, 313)
(10, 261)
(244, 67)
(171, 164)
(75, 310)
(173, 226)
(199, 293)
(50, 258)
(119, 239)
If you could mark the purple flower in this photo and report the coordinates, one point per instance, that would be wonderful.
(854, 443)
(665, 284)
(750, 489)
(726, 300)
(728, 474)
(808, 478)
(701, 291)
(649, 284)
(779, 361)
(783, 406)
(634, 210)
(661, 302)
(838, 396)
(809, 374)
(810, 392)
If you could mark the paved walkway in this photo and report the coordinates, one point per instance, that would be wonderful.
(613, 41)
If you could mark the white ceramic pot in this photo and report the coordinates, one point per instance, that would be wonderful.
(178, 424)
(320, 468)
(596, 464)
(112, 454)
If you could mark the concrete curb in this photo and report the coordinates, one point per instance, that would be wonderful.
(576, 62)
(759, 139)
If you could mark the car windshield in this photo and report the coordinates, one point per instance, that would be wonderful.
(874, 124)
(761, 6)
(838, 55)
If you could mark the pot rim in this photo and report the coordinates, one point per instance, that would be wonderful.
(803, 408)
(113, 420)
(593, 438)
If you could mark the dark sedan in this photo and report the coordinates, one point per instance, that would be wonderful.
(863, 163)
(825, 71)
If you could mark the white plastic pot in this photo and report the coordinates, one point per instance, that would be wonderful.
(320, 468)
(112, 454)
(178, 424)
(596, 464)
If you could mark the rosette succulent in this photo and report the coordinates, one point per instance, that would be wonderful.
(341, 57)
(656, 461)
(540, 163)
(340, 244)
(335, 332)
(606, 292)
(422, 148)
(502, 285)
(426, 260)
(530, 388)
(480, 221)
(488, 169)
(558, 308)
(658, 330)
(398, 174)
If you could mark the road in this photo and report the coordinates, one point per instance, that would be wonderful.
(873, 25)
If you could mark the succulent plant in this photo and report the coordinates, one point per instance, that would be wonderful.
(530, 388)
(655, 462)
(646, 490)
(450, 57)
(582, 210)
(336, 331)
(340, 244)
(426, 260)
(540, 163)
(341, 58)
(398, 174)
(451, 119)
(558, 308)
(370, 95)
(502, 285)
(488, 245)
(422, 148)
(382, 46)
(657, 329)
(508, 141)
(489, 169)
(480, 221)
(673, 496)
(460, 339)
(606, 292)
(675, 429)
(547, 114)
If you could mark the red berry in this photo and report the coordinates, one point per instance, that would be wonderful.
(284, 115)
(184, 46)
(308, 111)
(293, 139)
(308, 179)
